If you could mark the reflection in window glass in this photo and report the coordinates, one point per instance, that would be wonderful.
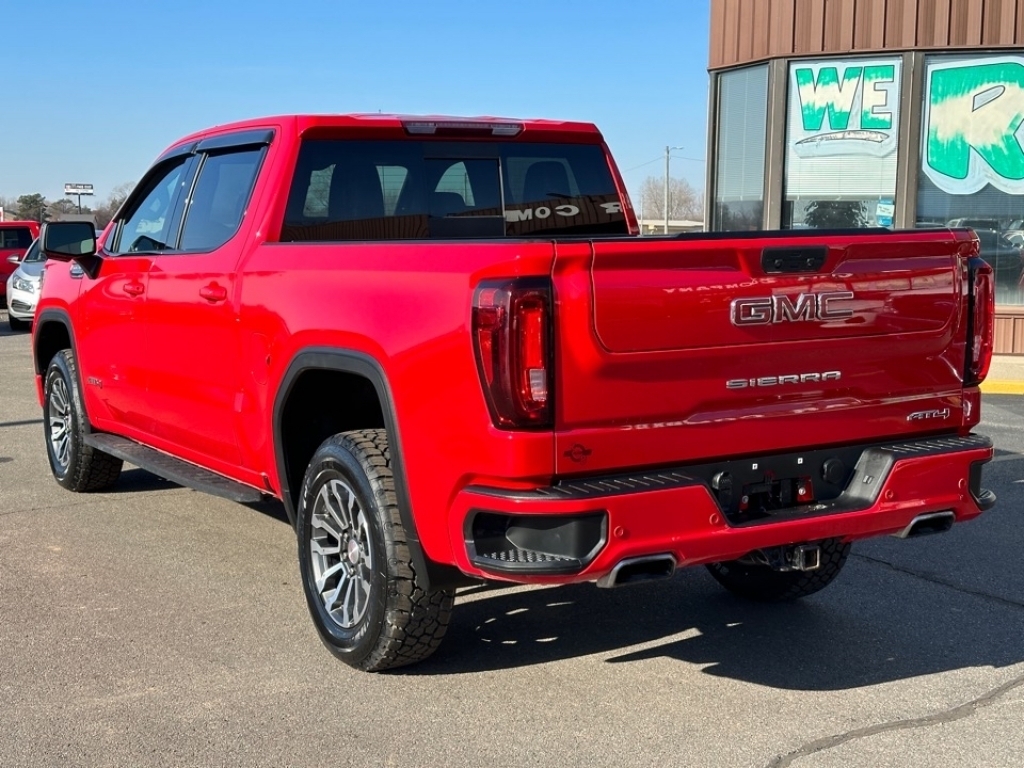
(972, 158)
(148, 226)
(318, 192)
(219, 199)
(407, 190)
(742, 126)
(392, 179)
(842, 127)
(456, 180)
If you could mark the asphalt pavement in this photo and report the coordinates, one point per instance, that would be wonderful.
(155, 626)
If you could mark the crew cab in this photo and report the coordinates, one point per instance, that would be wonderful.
(442, 344)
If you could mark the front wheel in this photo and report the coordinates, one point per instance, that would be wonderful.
(357, 573)
(16, 324)
(756, 581)
(75, 465)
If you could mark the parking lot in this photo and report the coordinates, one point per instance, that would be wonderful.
(156, 626)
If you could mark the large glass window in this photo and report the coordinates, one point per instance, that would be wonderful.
(740, 145)
(972, 157)
(842, 128)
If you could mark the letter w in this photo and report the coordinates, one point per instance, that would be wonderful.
(827, 93)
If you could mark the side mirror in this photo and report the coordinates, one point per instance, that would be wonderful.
(14, 259)
(71, 241)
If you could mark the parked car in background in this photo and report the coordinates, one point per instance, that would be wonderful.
(974, 223)
(23, 287)
(1002, 254)
(1014, 232)
(15, 238)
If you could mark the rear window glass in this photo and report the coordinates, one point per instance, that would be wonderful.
(406, 190)
(15, 237)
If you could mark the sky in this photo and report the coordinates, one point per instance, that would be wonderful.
(100, 88)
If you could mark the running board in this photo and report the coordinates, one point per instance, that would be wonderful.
(170, 468)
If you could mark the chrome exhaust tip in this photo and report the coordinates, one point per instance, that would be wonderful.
(929, 523)
(636, 569)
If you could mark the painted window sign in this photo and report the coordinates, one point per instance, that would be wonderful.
(846, 108)
(974, 125)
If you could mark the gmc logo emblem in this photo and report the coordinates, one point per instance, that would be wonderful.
(783, 309)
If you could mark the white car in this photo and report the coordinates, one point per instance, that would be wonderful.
(23, 287)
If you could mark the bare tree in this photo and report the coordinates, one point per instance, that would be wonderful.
(9, 206)
(105, 211)
(684, 202)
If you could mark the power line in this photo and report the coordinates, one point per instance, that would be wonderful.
(659, 157)
(662, 157)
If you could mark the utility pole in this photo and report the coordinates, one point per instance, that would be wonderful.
(668, 155)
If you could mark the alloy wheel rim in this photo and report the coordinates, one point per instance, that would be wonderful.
(341, 553)
(59, 419)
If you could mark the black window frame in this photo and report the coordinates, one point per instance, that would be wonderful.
(201, 159)
(194, 154)
(156, 174)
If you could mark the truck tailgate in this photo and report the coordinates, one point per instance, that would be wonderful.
(676, 350)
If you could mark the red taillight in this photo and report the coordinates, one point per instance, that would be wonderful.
(512, 340)
(981, 324)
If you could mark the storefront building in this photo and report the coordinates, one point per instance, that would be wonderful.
(863, 113)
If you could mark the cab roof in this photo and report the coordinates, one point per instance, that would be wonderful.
(366, 124)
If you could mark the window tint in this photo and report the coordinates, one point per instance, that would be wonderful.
(219, 199)
(15, 237)
(398, 190)
(147, 227)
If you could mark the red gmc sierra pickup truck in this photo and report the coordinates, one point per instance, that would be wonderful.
(442, 345)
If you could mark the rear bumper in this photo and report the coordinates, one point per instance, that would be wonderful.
(671, 512)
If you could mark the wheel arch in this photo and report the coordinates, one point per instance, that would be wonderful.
(307, 373)
(52, 332)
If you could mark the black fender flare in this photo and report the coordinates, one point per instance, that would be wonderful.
(59, 317)
(433, 575)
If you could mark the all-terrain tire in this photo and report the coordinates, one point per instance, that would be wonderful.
(760, 582)
(75, 465)
(361, 586)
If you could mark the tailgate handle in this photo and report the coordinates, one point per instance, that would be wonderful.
(776, 261)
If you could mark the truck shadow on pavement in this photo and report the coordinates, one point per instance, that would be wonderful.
(5, 328)
(870, 627)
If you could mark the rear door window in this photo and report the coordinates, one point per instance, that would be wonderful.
(219, 198)
(400, 190)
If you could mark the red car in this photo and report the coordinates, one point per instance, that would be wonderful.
(15, 238)
(441, 343)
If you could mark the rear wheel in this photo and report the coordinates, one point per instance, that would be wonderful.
(364, 595)
(756, 581)
(75, 465)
